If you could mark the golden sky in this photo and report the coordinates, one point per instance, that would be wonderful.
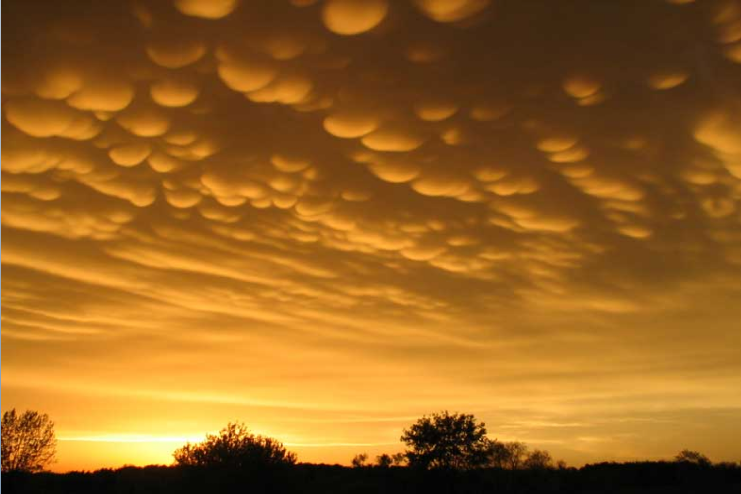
(328, 218)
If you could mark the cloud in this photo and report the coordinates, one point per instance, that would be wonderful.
(351, 17)
(372, 206)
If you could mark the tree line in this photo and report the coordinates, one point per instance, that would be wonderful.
(460, 442)
(440, 441)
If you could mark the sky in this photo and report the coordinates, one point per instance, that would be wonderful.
(328, 218)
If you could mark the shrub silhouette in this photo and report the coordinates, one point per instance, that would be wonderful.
(498, 454)
(538, 459)
(399, 459)
(516, 454)
(687, 456)
(448, 441)
(28, 441)
(234, 447)
(510, 455)
(359, 460)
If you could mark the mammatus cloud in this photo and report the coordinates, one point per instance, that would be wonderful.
(343, 210)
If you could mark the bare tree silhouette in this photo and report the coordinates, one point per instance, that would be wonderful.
(516, 454)
(28, 441)
(538, 459)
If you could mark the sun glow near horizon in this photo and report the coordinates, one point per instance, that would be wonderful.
(328, 218)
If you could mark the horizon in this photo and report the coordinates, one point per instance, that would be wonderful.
(158, 451)
(328, 218)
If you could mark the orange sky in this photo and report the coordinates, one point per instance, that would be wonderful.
(328, 218)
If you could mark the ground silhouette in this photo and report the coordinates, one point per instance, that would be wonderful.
(446, 453)
(609, 478)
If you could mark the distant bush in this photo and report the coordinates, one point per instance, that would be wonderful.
(510, 455)
(687, 456)
(448, 441)
(359, 460)
(538, 460)
(234, 447)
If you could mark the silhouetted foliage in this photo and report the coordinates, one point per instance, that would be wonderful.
(445, 440)
(607, 478)
(498, 454)
(453, 449)
(693, 457)
(509, 455)
(359, 460)
(516, 454)
(28, 441)
(538, 459)
(234, 447)
(399, 459)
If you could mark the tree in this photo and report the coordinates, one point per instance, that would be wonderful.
(687, 456)
(445, 440)
(498, 454)
(516, 452)
(399, 459)
(538, 459)
(384, 460)
(28, 441)
(234, 447)
(359, 460)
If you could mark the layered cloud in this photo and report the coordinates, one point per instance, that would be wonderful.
(372, 207)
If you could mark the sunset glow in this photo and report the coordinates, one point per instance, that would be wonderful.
(328, 218)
